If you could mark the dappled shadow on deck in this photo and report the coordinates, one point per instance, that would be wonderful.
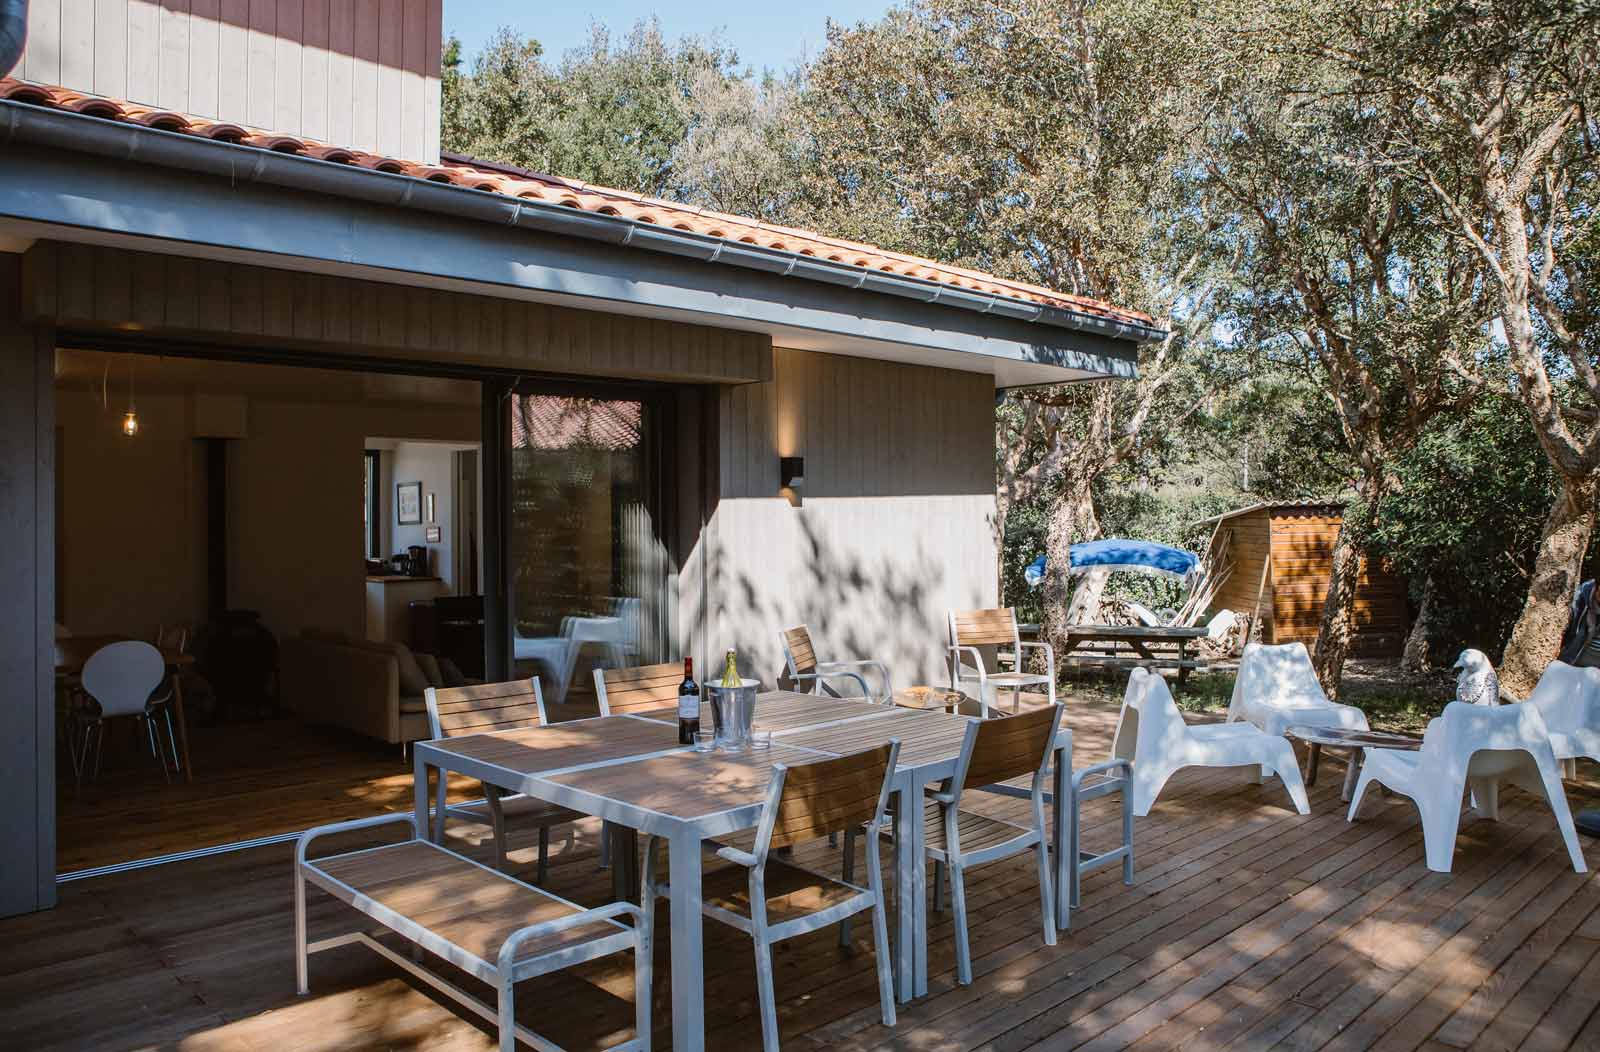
(1248, 927)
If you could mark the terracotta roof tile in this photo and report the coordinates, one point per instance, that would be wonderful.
(597, 199)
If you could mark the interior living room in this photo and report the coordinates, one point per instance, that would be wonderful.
(305, 546)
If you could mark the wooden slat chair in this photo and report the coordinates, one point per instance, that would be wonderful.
(489, 925)
(971, 630)
(773, 899)
(481, 709)
(625, 690)
(805, 668)
(994, 751)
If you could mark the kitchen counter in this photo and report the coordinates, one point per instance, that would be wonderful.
(389, 599)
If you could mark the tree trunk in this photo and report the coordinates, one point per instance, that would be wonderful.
(1073, 519)
(1339, 607)
(1536, 638)
(1419, 641)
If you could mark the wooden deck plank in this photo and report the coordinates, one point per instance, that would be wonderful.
(1249, 927)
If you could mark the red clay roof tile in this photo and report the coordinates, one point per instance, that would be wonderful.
(575, 194)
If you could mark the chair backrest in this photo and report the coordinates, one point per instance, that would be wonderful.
(121, 676)
(797, 649)
(809, 801)
(622, 690)
(484, 707)
(1278, 675)
(172, 637)
(977, 628)
(1568, 697)
(1126, 737)
(997, 750)
(1470, 741)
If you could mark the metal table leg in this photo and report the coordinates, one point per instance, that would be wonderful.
(688, 949)
(624, 862)
(910, 886)
(1061, 802)
(419, 795)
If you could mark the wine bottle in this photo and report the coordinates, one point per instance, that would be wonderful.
(688, 705)
(730, 670)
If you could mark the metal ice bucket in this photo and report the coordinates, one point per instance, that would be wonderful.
(733, 710)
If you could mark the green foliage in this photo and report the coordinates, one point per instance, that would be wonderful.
(1466, 516)
(612, 112)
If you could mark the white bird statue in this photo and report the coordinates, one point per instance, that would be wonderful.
(1477, 684)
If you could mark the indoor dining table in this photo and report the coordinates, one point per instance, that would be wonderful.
(630, 771)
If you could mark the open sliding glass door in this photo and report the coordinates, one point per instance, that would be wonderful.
(588, 575)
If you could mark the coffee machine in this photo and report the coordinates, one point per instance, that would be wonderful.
(417, 557)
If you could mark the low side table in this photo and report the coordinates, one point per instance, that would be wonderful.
(929, 698)
(1352, 740)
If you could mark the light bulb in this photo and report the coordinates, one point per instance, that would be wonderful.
(130, 423)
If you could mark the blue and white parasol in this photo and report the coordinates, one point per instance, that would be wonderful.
(1146, 557)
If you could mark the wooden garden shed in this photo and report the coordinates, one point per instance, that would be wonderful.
(1282, 558)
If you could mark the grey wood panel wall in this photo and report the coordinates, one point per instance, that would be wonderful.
(27, 638)
(358, 73)
(891, 529)
(89, 287)
(865, 428)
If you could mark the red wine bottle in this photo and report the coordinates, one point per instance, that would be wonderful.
(688, 705)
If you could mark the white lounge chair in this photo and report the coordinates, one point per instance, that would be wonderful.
(1477, 747)
(1568, 700)
(1151, 733)
(1277, 686)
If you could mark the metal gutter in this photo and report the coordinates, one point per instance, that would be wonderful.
(24, 122)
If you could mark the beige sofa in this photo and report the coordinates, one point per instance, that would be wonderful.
(372, 688)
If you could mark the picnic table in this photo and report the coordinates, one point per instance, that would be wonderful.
(630, 771)
(1159, 647)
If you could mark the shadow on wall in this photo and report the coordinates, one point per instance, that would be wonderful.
(887, 606)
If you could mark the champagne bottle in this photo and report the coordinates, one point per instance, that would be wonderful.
(730, 670)
(688, 705)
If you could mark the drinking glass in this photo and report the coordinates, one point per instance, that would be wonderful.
(761, 740)
(705, 740)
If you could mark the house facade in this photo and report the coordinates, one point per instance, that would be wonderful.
(204, 185)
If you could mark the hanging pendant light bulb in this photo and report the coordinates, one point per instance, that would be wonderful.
(130, 419)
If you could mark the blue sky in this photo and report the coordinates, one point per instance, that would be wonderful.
(765, 34)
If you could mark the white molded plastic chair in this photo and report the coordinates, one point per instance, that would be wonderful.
(1568, 700)
(121, 677)
(1478, 747)
(971, 629)
(1277, 686)
(617, 631)
(1151, 733)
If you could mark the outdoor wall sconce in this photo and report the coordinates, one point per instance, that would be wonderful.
(791, 471)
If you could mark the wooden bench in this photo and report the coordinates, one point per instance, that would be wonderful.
(487, 924)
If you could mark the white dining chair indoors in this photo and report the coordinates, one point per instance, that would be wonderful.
(1277, 686)
(120, 678)
(973, 630)
(1568, 700)
(809, 674)
(1471, 747)
(772, 899)
(1151, 733)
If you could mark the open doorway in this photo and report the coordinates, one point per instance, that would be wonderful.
(210, 508)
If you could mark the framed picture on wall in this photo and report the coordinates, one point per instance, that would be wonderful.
(408, 503)
(433, 535)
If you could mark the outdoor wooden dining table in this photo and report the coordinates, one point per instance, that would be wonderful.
(630, 771)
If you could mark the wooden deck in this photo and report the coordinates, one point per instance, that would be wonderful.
(1249, 927)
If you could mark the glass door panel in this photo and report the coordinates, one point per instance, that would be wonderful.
(589, 574)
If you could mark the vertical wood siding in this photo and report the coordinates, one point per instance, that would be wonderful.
(360, 73)
(87, 287)
(892, 527)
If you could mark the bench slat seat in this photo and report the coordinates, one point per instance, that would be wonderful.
(479, 919)
(469, 905)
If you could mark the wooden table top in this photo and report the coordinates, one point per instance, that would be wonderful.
(1155, 632)
(73, 651)
(1352, 738)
